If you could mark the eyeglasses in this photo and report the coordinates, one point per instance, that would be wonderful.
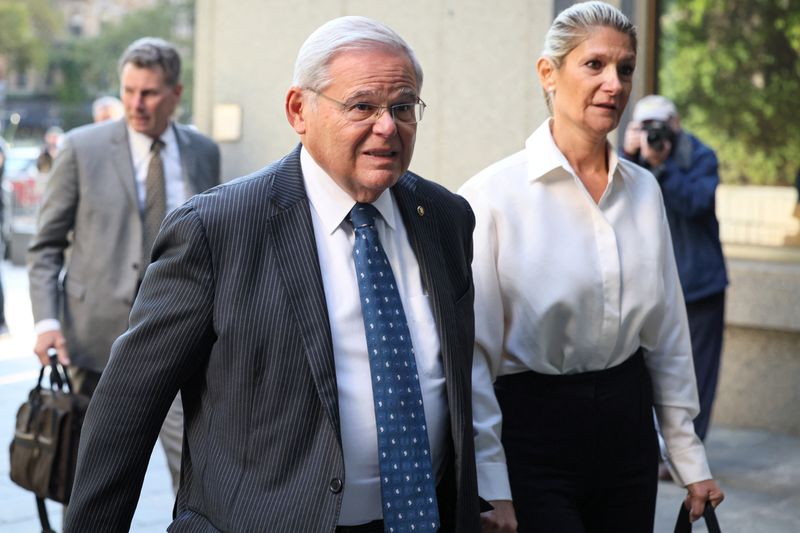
(407, 113)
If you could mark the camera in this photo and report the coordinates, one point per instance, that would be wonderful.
(657, 133)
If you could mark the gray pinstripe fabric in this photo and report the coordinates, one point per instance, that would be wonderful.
(232, 313)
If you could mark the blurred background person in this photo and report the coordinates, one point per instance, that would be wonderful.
(687, 172)
(110, 187)
(797, 187)
(579, 318)
(3, 150)
(107, 108)
(52, 142)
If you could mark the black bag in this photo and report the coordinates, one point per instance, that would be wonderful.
(684, 526)
(45, 445)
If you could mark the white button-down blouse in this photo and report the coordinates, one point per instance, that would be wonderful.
(565, 285)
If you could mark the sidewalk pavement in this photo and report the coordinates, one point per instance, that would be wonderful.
(758, 470)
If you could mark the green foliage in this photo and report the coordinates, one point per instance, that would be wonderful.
(26, 28)
(89, 66)
(731, 67)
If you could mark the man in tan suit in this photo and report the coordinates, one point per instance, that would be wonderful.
(110, 186)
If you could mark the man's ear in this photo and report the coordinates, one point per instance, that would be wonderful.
(296, 105)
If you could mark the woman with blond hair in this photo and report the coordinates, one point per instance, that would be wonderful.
(580, 324)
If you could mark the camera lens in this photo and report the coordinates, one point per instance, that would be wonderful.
(655, 140)
(657, 134)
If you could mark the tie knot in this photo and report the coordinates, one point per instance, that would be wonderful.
(363, 215)
(157, 146)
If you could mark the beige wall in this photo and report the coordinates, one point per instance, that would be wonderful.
(483, 99)
(478, 57)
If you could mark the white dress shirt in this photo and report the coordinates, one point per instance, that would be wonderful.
(334, 237)
(565, 285)
(176, 187)
(140, 145)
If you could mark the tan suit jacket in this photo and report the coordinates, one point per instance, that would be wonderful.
(84, 261)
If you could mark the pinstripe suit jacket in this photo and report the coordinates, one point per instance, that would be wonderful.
(232, 312)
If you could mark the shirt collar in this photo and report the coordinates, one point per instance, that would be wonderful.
(140, 143)
(544, 156)
(331, 202)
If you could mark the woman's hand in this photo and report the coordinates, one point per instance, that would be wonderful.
(699, 494)
(501, 519)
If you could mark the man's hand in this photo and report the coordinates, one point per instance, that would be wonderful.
(699, 494)
(633, 138)
(51, 339)
(501, 519)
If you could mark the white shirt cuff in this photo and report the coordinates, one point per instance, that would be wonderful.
(493, 481)
(691, 465)
(48, 324)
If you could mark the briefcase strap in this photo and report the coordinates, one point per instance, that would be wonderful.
(684, 526)
(43, 516)
(59, 376)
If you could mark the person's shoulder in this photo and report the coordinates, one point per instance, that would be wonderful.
(239, 186)
(633, 170)
(415, 182)
(436, 193)
(699, 146)
(192, 131)
(503, 175)
(640, 182)
(196, 137)
(251, 190)
(636, 175)
(92, 133)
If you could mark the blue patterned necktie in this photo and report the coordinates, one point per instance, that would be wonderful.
(408, 487)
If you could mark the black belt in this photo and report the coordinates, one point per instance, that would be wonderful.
(376, 526)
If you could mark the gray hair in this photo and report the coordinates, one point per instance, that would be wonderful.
(574, 25)
(103, 102)
(151, 52)
(340, 35)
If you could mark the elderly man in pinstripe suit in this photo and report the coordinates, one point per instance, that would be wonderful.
(316, 317)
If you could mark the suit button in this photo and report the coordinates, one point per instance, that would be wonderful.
(135, 266)
(336, 485)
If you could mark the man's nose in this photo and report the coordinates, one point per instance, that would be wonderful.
(384, 123)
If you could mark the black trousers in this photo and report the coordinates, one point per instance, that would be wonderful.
(706, 327)
(581, 449)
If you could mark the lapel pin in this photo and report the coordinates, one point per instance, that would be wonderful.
(420, 211)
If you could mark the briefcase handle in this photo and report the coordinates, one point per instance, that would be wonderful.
(58, 374)
(684, 526)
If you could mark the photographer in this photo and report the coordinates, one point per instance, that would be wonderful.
(686, 170)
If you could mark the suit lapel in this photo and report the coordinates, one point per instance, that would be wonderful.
(188, 164)
(123, 162)
(420, 220)
(293, 234)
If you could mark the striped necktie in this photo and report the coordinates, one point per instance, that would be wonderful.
(155, 201)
